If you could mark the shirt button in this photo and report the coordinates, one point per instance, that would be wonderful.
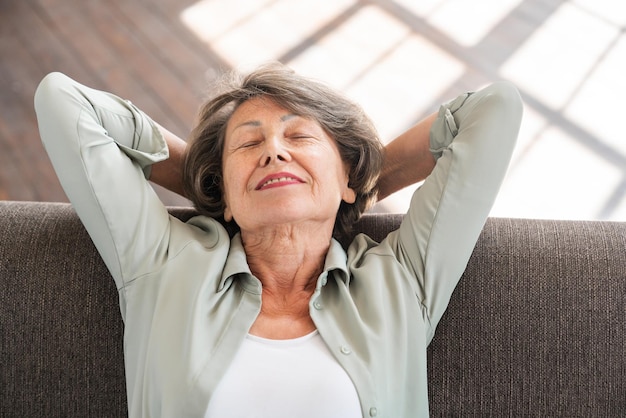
(373, 412)
(317, 305)
(345, 350)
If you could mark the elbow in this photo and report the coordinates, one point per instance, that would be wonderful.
(48, 90)
(50, 93)
(52, 96)
(510, 95)
(505, 96)
(503, 101)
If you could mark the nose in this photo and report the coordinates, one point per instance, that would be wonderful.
(275, 150)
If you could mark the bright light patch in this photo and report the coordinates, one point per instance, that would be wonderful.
(246, 33)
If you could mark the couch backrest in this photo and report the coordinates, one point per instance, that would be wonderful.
(536, 326)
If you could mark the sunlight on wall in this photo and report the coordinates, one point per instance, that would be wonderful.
(248, 32)
(467, 22)
(368, 54)
(570, 162)
(553, 175)
(613, 11)
(573, 65)
(554, 61)
(382, 70)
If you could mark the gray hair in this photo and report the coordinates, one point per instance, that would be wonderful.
(343, 120)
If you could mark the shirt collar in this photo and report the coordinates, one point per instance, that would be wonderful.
(337, 260)
(236, 262)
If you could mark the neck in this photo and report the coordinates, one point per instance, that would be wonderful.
(286, 260)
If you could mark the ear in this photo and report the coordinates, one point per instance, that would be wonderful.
(348, 195)
(228, 216)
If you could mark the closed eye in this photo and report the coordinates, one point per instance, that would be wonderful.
(299, 128)
(249, 144)
(298, 136)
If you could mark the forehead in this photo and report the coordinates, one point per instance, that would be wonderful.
(257, 106)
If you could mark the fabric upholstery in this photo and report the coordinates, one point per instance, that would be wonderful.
(535, 328)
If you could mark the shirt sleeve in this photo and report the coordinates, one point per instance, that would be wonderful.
(102, 148)
(472, 140)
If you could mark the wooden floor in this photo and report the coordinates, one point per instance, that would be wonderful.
(137, 49)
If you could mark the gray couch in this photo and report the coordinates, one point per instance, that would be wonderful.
(536, 326)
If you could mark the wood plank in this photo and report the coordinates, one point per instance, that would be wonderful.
(101, 48)
(186, 60)
(42, 39)
(26, 172)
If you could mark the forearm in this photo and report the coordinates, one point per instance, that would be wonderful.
(169, 173)
(408, 159)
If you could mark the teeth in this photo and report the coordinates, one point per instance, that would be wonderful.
(276, 180)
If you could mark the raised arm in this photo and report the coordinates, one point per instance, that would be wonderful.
(408, 159)
(472, 139)
(103, 148)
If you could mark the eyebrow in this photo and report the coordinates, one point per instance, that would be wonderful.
(288, 116)
(248, 123)
(256, 123)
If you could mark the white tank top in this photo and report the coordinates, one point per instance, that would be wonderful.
(285, 379)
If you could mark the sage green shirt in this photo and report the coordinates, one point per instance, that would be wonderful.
(186, 292)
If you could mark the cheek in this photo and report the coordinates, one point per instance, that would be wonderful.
(228, 191)
(234, 180)
(226, 182)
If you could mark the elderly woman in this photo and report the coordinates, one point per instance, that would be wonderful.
(278, 320)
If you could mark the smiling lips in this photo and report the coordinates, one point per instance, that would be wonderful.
(278, 180)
